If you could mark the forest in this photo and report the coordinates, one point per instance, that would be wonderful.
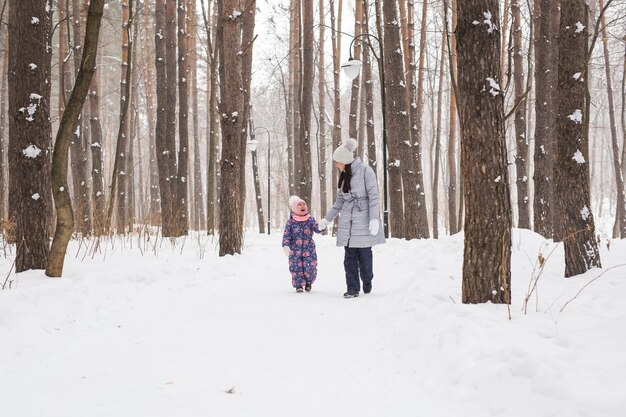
(121, 117)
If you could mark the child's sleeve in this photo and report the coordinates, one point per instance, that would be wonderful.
(315, 225)
(287, 234)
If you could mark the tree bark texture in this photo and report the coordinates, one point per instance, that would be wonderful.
(572, 178)
(487, 243)
(453, 220)
(80, 152)
(30, 23)
(62, 201)
(231, 109)
(521, 141)
(182, 211)
(305, 181)
(335, 22)
(542, 177)
(398, 124)
(321, 93)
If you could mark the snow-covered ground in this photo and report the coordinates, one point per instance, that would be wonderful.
(173, 330)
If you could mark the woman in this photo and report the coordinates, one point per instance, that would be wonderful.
(359, 227)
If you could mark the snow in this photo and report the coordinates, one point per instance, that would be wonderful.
(31, 151)
(579, 27)
(491, 27)
(578, 157)
(34, 20)
(494, 87)
(577, 76)
(576, 117)
(32, 66)
(151, 328)
(585, 213)
(35, 196)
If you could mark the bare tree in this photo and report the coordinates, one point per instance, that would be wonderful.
(30, 23)
(321, 86)
(572, 178)
(3, 162)
(119, 178)
(451, 38)
(398, 126)
(619, 230)
(62, 201)
(487, 243)
(181, 213)
(521, 154)
(335, 23)
(198, 194)
(80, 154)
(231, 107)
(544, 120)
(304, 172)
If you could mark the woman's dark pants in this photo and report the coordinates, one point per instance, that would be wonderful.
(358, 261)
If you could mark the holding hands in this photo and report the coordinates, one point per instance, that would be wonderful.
(323, 224)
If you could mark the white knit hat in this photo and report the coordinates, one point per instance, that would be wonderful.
(294, 200)
(345, 152)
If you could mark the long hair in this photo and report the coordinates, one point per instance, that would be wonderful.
(344, 178)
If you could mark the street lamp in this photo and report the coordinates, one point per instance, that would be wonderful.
(352, 69)
(252, 144)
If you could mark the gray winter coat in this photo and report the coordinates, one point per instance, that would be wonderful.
(356, 208)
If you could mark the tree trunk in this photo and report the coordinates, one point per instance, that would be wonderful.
(255, 177)
(3, 143)
(155, 207)
(398, 125)
(247, 43)
(487, 243)
(63, 204)
(171, 229)
(420, 229)
(321, 143)
(80, 157)
(620, 217)
(335, 23)
(165, 158)
(368, 91)
(97, 173)
(182, 211)
(542, 213)
(29, 131)
(119, 177)
(211, 109)
(295, 93)
(452, 131)
(198, 194)
(442, 68)
(356, 54)
(231, 109)
(581, 250)
(521, 155)
(304, 180)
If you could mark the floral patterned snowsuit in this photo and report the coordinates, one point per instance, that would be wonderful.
(298, 236)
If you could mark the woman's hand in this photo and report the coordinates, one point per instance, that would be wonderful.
(374, 225)
(323, 224)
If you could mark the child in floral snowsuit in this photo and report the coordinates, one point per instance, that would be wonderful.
(298, 244)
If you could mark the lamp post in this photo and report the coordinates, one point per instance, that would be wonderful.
(352, 69)
(253, 144)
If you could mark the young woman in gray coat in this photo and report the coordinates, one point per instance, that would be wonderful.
(359, 226)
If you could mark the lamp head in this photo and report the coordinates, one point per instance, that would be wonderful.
(352, 68)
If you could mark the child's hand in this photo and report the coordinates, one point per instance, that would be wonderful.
(286, 250)
(323, 224)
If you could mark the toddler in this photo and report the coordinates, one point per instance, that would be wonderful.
(299, 246)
